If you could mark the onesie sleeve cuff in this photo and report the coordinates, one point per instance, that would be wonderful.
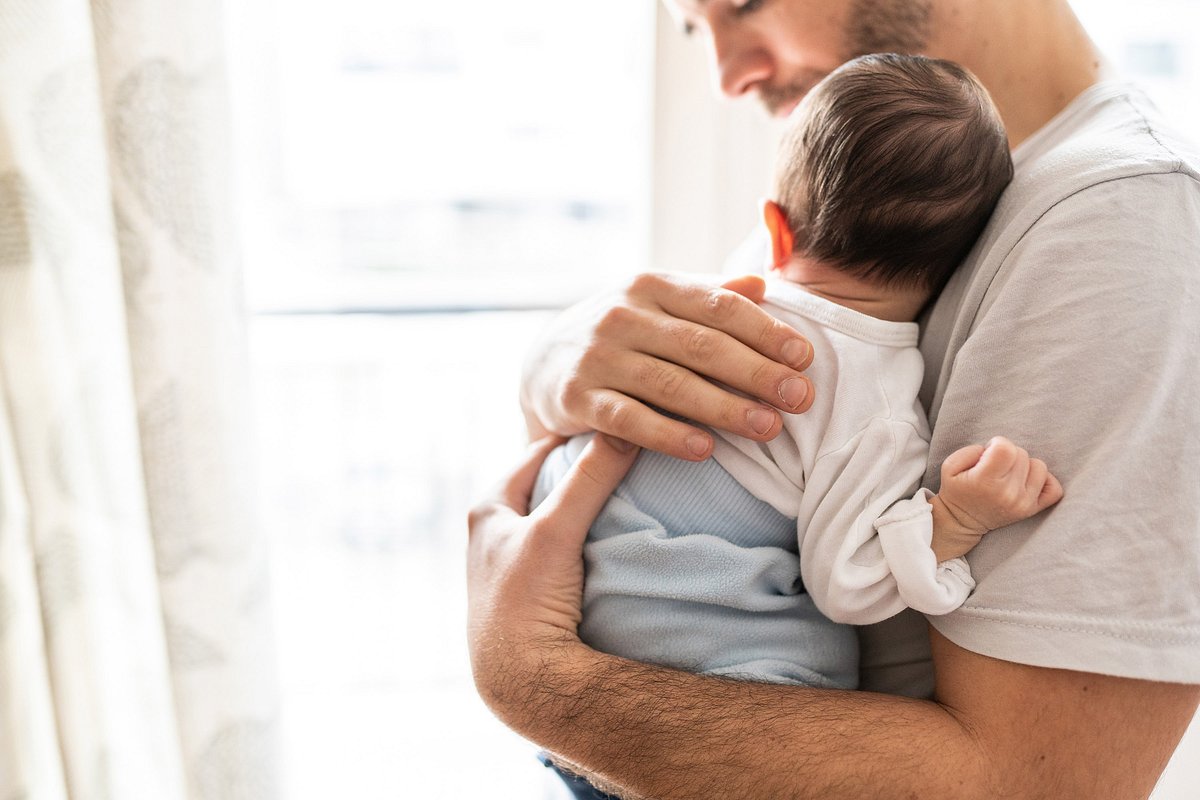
(905, 533)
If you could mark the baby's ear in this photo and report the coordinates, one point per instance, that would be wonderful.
(782, 239)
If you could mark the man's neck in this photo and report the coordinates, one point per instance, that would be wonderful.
(1033, 56)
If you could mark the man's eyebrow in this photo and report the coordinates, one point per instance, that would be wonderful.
(680, 10)
(684, 7)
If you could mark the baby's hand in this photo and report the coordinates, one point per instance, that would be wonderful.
(984, 488)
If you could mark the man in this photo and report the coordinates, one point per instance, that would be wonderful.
(1073, 670)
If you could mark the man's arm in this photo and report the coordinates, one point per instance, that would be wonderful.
(605, 363)
(996, 729)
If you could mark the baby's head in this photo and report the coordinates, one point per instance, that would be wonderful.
(888, 174)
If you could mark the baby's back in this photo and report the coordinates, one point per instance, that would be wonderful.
(686, 568)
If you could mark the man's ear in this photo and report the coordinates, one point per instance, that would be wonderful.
(782, 239)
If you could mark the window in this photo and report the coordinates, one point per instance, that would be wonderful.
(1153, 44)
(376, 432)
(456, 154)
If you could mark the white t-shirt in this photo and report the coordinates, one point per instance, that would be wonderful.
(1073, 328)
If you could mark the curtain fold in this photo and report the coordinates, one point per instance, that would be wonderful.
(135, 643)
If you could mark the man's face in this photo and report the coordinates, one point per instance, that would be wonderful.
(779, 49)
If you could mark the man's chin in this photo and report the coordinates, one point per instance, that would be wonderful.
(780, 107)
(783, 101)
(783, 110)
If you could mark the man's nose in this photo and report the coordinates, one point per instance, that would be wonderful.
(741, 63)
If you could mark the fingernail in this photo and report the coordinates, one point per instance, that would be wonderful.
(697, 445)
(796, 352)
(794, 392)
(760, 420)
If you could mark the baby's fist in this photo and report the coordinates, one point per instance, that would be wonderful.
(996, 485)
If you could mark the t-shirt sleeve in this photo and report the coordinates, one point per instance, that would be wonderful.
(1086, 351)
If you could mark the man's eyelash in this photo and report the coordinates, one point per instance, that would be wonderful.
(747, 7)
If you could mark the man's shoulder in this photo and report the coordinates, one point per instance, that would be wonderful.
(1106, 195)
(1112, 133)
(1109, 166)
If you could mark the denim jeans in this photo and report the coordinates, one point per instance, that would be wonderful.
(578, 786)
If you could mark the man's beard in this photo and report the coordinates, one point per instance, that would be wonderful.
(776, 98)
(887, 26)
(872, 26)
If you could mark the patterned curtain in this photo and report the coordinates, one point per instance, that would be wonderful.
(135, 647)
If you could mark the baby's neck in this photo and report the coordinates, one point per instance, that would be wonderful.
(879, 308)
(836, 286)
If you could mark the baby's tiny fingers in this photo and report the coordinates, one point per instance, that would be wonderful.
(1036, 478)
(1052, 492)
(961, 460)
(999, 457)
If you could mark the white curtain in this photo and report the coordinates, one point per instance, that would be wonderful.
(135, 649)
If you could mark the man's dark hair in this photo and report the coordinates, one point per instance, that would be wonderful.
(893, 169)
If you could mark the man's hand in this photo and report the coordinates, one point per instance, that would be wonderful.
(985, 487)
(525, 570)
(662, 343)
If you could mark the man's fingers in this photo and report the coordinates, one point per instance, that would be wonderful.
(672, 388)
(510, 497)
(658, 357)
(741, 318)
(515, 488)
(623, 417)
(681, 351)
(707, 354)
(751, 287)
(578, 498)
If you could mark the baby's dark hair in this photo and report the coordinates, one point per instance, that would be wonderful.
(893, 169)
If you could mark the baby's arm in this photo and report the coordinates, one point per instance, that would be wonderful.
(985, 487)
(924, 538)
(864, 555)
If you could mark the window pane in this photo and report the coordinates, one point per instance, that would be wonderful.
(444, 154)
(376, 433)
(1155, 44)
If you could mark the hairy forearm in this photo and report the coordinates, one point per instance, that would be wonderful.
(660, 733)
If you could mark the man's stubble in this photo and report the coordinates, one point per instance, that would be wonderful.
(887, 26)
(872, 26)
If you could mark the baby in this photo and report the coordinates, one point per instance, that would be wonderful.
(746, 564)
